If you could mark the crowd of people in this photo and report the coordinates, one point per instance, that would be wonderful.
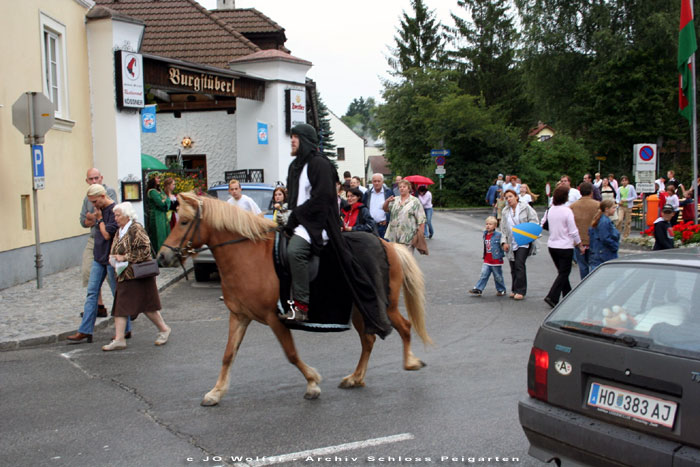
(586, 223)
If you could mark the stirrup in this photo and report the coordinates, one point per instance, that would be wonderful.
(290, 313)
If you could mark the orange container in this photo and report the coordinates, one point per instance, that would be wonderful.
(652, 209)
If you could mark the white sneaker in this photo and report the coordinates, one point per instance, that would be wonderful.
(114, 345)
(162, 338)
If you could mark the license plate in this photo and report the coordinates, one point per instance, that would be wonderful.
(633, 405)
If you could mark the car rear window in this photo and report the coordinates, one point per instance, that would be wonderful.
(652, 306)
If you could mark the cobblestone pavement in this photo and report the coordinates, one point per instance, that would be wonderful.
(31, 316)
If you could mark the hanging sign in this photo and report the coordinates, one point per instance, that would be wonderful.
(148, 119)
(262, 133)
(129, 77)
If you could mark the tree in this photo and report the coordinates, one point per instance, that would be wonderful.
(546, 161)
(325, 135)
(487, 61)
(419, 43)
(361, 118)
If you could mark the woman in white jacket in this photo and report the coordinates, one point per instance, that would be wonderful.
(513, 214)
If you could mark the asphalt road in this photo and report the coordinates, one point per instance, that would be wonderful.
(74, 405)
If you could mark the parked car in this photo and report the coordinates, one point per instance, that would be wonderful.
(204, 264)
(614, 373)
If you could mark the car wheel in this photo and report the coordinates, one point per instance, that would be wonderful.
(202, 272)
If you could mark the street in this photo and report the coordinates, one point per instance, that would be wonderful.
(74, 405)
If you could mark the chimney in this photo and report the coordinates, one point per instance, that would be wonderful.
(225, 4)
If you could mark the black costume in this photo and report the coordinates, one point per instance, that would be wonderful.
(320, 212)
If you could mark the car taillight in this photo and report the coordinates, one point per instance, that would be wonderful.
(537, 368)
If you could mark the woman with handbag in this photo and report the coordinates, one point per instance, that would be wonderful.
(137, 291)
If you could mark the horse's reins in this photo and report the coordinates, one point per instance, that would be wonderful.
(186, 245)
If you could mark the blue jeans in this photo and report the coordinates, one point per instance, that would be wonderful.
(582, 259)
(486, 271)
(429, 222)
(381, 229)
(98, 272)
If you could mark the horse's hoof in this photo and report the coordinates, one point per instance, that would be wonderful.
(349, 383)
(312, 394)
(209, 401)
(415, 366)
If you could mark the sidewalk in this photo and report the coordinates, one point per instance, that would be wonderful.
(31, 316)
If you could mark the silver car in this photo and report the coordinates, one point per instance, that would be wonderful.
(204, 264)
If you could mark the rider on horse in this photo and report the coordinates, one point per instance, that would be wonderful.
(315, 221)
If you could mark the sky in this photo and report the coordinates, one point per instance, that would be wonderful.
(347, 41)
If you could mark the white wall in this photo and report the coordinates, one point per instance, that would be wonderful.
(344, 137)
(214, 134)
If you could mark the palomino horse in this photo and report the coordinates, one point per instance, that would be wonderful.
(242, 244)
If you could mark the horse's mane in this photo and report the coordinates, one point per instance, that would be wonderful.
(223, 216)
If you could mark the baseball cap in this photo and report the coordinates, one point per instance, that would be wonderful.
(667, 208)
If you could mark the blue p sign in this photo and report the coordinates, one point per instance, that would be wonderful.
(38, 160)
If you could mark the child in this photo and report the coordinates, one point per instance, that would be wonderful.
(663, 232)
(279, 205)
(493, 259)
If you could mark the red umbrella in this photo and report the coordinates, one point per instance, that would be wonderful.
(419, 180)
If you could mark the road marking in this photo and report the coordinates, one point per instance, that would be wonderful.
(271, 460)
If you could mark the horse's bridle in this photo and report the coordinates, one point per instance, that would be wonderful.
(185, 249)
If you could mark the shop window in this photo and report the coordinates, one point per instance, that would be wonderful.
(53, 64)
(341, 154)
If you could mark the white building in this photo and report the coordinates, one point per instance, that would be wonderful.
(349, 148)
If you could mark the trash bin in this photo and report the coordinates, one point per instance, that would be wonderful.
(652, 209)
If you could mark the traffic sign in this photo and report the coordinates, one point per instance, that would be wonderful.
(439, 152)
(33, 115)
(441, 175)
(38, 166)
(644, 157)
(440, 170)
(643, 187)
(600, 158)
(440, 160)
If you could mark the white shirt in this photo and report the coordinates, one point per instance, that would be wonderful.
(246, 203)
(302, 197)
(376, 205)
(662, 185)
(362, 189)
(597, 183)
(574, 195)
(526, 198)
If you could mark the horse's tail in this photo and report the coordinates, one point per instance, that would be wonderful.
(413, 291)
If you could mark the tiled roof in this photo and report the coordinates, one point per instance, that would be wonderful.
(184, 30)
(247, 20)
(379, 164)
(540, 126)
(269, 54)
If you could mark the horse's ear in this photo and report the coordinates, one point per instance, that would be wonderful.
(188, 198)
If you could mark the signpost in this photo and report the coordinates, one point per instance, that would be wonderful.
(33, 116)
(644, 167)
(440, 152)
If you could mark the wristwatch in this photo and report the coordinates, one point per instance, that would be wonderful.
(99, 221)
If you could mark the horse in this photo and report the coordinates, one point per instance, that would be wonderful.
(242, 245)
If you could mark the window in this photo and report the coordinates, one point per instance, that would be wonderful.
(341, 154)
(545, 137)
(53, 54)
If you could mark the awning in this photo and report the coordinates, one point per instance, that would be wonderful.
(151, 163)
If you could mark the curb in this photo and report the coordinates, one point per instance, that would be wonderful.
(101, 323)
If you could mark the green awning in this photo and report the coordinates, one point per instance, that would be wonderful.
(151, 163)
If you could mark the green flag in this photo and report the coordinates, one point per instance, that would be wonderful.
(687, 45)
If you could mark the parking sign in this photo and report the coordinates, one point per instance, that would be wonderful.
(38, 166)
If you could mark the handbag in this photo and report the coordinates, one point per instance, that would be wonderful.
(145, 269)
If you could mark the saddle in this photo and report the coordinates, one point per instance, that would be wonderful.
(328, 312)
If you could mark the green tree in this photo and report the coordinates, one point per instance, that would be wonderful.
(325, 134)
(360, 116)
(487, 58)
(545, 162)
(419, 43)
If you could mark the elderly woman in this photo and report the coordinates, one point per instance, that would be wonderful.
(563, 238)
(356, 216)
(133, 295)
(513, 214)
(407, 216)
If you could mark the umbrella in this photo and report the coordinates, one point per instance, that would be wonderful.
(150, 162)
(526, 232)
(419, 180)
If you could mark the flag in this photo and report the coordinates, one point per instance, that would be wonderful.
(687, 45)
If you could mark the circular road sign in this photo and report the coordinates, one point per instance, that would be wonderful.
(646, 153)
(440, 160)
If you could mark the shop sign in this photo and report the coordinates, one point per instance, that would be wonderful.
(201, 82)
(130, 90)
(296, 107)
